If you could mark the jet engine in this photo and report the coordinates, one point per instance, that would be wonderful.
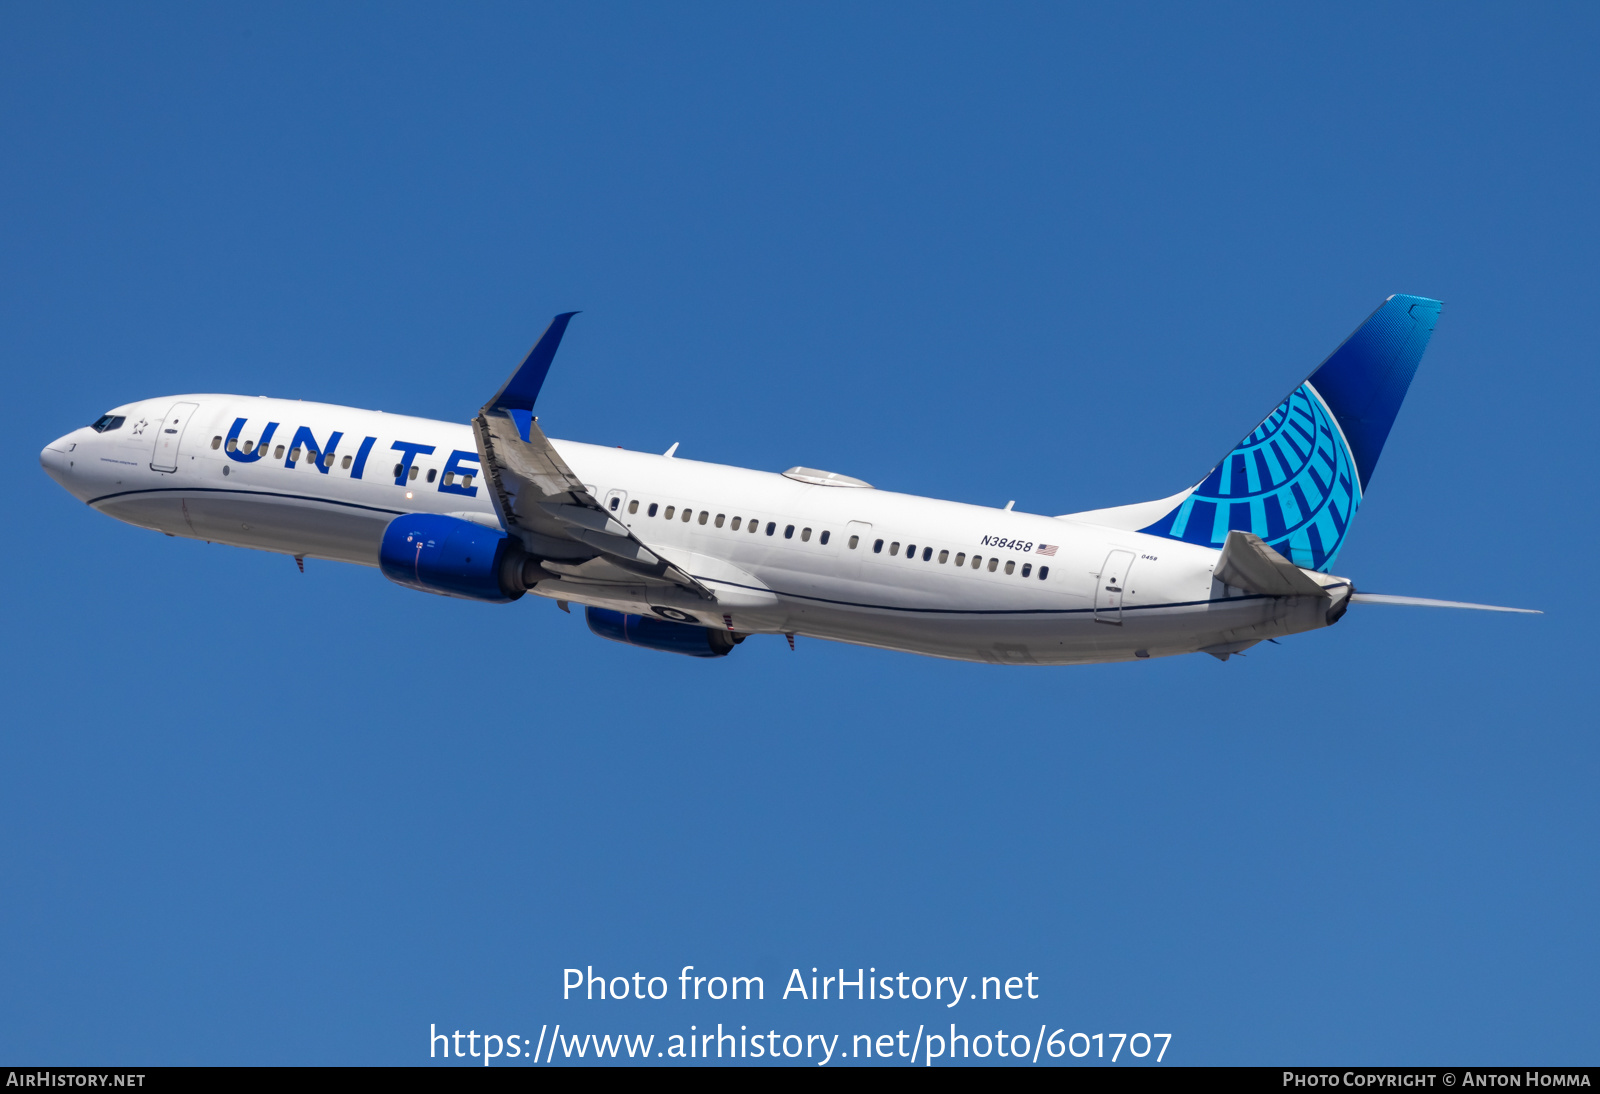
(452, 557)
(659, 634)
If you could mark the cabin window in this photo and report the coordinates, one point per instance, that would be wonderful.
(993, 562)
(279, 456)
(704, 516)
(961, 558)
(614, 501)
(345, 463)
(894, 548)
(855, 541)
(466, 480)
(927, 553)
(650, 512)
(294, 455)
(911, 550)
(772, 526)
(633, 506)
(944, 556)
(449, 476)
(413, 476)
(755, 526)
(433, 473)
(687, 513)
(327, 460)
(877, 546)
(1027, 569)
(399, 469)
(216, 443)
(735, 524)
(248, 445)
(720, 518)
(823, 539)
(788, 532)
(671, 509)
(233, 444)
(1044, 572)
(805, 534)
(1011, 566)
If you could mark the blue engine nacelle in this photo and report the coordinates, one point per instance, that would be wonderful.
(658, 634)
(451, 557)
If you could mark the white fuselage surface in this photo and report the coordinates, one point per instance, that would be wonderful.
(783, 556)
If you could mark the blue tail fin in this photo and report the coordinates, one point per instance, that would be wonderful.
(1298, 478)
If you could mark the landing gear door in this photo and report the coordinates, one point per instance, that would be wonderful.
(169, 434)
(1109, 589)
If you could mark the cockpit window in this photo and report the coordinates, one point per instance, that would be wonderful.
(107, 422)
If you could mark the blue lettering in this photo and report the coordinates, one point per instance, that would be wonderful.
(233, 440)
(453, 467)
(361, 457)
(411, 451)
(320, 458)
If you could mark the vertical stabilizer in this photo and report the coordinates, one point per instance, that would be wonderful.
(1298, 478)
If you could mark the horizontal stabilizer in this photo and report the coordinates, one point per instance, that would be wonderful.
(1248, 563)
(1423, 602)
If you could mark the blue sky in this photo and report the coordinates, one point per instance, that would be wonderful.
(1066, 256)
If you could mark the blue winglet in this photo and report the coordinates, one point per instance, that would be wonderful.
(520, 392)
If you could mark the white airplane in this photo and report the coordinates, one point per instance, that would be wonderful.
(689, 557)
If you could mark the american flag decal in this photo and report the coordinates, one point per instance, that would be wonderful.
(1046, 549)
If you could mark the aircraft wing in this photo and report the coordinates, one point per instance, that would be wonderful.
(541, 502)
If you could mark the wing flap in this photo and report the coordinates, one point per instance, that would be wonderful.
(602, 571)
(535, 491)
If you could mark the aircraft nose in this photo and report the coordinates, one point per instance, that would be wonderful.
(57, 460)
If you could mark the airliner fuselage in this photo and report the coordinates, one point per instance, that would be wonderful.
(783, 556)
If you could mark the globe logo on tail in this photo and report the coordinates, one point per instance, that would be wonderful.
(1292, 482)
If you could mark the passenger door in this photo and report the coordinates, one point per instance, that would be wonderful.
(169, 435)
(1108, 590)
